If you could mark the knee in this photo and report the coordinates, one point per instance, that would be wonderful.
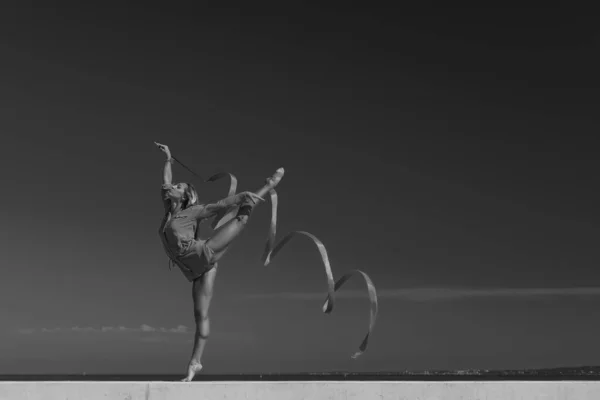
(203, 333)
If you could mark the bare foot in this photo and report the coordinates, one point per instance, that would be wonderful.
(193, 368)
(274, 180)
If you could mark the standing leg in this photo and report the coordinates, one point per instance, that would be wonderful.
(202, 291)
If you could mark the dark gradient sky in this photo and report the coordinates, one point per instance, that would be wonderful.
(445, 149)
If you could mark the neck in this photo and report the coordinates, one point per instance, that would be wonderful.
(175, 206)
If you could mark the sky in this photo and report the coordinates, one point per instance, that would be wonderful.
(448, 153)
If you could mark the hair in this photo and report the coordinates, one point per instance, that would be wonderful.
(190, 196)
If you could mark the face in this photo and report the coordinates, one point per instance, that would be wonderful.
(176, 192)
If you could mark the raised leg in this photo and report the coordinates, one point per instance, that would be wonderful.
(226, 233)
(202, 292)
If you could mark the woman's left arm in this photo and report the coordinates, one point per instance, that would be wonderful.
(210, 210)
(167, 173)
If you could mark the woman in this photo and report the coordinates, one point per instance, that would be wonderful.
(197, 258)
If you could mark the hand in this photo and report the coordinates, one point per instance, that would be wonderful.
(252, 196)
(164, 149)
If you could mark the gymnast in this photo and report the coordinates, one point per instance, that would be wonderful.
(197, 258)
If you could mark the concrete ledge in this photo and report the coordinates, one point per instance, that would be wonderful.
(507, 390)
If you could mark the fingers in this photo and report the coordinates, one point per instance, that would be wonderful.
(163, 148)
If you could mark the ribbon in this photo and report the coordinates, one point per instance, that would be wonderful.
(227, 214)
(272, 249)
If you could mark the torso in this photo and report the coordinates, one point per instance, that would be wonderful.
(180, 230)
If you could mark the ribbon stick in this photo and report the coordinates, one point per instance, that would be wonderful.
(272, 249)
(186, 167)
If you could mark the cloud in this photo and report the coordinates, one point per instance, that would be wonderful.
(180, 329)
(434, 294)
(111, 329)
(147, 328)
(50, 330)
(145, 333)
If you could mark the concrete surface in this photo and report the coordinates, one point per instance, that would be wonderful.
(520, 390)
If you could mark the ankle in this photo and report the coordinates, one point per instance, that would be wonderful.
(273, 180)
